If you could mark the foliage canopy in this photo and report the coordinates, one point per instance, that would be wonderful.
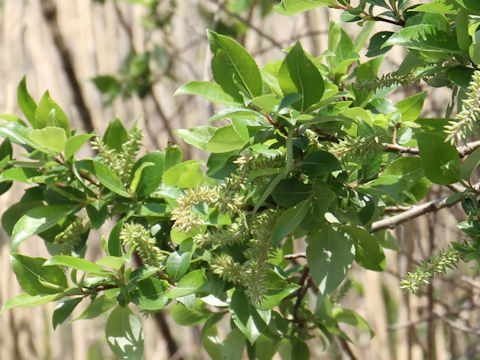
(309, 149)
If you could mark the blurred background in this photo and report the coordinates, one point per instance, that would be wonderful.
(106, 58)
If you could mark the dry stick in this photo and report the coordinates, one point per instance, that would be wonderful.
(49, 11)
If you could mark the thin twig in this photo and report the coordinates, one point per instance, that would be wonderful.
(401, 149)
(462, 150)
(413, 212)
(458, 326)
(295, 256)
(346, 348)
(468, 148)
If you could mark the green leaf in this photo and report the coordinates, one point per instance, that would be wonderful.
(115, 135)
(48, 113)
(224, 140)
(74, 143)
(77, 264)
(236, 112)
(97, 214)
(330, 254)
(320, 163)
(151, 294)
(188, 284)
(300, 350)
(210, 91)
(266, 347)
(191, 315)
(26, 300)
(63, 311)
(352, 318)
(277, 290)
(411, 107)
(290, 192)
(185, 175)
(19, 174)
(233, 345)
(26, 102)
(464, 40)
(6, 150)
(368, 251)
(100, 305)
(440, 7)
(15, 212)
(34, 278)
(460, 76)
(197, 136)
(52, 138)
(388, 185)
(424, 37)
(410, 175)
(292, 7)
(109, 179)
(113, 262)
(37, 220)
(440, 159)
(470, 164)
(288, 221)
(151, 167)
(375, 46)
(246, 317)
(114, 244)
(299, 75)
(108, 85)
(19, 134)
(124, 334)
(173, 156)
(177, 264)
(233, 68)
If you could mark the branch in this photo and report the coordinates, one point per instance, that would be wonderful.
(468, 149)
(458, 326)
(462, 150)
(413, 212)
(401, 149)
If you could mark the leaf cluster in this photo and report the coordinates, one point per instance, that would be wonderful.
(308, 151)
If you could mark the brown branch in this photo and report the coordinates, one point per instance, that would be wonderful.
(295, 256)
(462, 150)
(468, 149)
(395, 209)
(49, 11)
(346, 348)
(300, 294)
(401, 149)
(413, 212)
